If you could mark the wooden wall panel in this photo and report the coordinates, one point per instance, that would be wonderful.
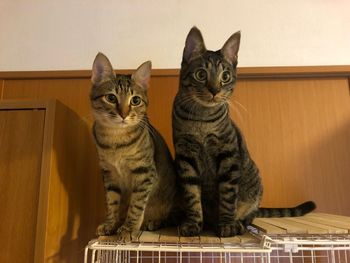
(21, 141)
(2, 83)
(296, 128)
(74, 93)
(161, 95)
(298, 132)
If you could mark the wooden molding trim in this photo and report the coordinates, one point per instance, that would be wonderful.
(27, 104)
(69, 74)
(243, 73)
(295, 72)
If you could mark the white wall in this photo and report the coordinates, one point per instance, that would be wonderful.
(67, 34)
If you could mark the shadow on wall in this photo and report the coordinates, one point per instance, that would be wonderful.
(316, 167)
(328, 159)
(78, 211)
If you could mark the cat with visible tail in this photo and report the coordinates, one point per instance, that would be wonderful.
(220, 183)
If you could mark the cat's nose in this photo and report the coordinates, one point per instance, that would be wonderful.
(123, 115)
(213, 90)
(123, 111)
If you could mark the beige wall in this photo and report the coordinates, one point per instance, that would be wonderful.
(66, 35)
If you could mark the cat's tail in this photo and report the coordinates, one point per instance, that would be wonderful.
(299, 210)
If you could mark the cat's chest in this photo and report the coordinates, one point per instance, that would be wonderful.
(121, 148)
(111, 159)
(119, 159)
(207, 134)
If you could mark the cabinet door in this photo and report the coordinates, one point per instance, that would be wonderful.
(21, 140)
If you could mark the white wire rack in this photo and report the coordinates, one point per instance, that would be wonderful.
(259, 247)
(157, 252)
(279, 249)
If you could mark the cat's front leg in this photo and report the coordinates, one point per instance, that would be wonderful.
(229, 176)
(144, 179)
(189, 171)
(113, 197)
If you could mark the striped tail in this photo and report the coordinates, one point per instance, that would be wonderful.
(299, 210)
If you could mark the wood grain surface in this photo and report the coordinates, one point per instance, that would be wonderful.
(21, 140)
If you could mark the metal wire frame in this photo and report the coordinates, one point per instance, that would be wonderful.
(274, 249)
(311, 248)
(185, 257)
(164, 252)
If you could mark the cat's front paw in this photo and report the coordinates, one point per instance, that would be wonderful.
(152, 225)
(125, 234)
(189, 229)
(230, 229)
(106, 229)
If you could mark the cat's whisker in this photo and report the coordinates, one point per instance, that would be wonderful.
(239, 104)
(190, 104)
(191, 111)
(185, 99)
(236, 110)
(146, 125)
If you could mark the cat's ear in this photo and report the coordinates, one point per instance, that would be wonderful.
(231, 47)
(142, 74)
(194, 46)
(102, 69)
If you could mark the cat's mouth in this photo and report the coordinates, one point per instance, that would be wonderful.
(114, 121)
(216, 99)
(209, 100)
(128, 122)
(123, 123)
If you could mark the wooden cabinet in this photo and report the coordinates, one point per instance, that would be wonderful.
(21, 140)
(49, 183)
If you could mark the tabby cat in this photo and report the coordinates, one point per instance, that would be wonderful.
(220, 182)
(136, 165)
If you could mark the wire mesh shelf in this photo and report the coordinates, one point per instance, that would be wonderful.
(260, 245)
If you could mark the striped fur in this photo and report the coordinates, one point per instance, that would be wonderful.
(136, 165)
(221, 185)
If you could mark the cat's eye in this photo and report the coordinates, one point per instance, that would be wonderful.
(225, 77)
(111, 98)
(135, 101)
(200, 74)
